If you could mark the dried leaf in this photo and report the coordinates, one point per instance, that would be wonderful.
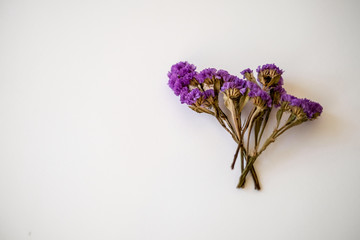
(217, 87)
(275, 80)
(195, 109)
(279, 115)
(292, 118)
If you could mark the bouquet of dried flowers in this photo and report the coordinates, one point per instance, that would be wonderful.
(203, 90)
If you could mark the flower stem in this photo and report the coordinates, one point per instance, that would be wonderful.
(276, 133)
(267, 115)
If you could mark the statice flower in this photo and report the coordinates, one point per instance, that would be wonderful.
(207, 75)
(209, 93)
(246, 71)
(237, 83)
(301, 106)
(228, 85)
(248, 75)
(180, 76)
(312, 109)
(269, 75)
(193, 95)
(197, 96)
(234, 88)
(287, 98)
(276, 93)
(183, 95)
(230, 78)
(221, 74)
(261, 97)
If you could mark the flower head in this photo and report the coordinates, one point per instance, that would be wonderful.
(312, 109)
(276, 93)
(180, 76)
(246, 71)
(207, 75)
(197, 97)
(260, 97)
(302, 107)
(269, 75)
(248, 74)
(209, 93)
(183, 95)
(192, 96)
(234, 88)
(221, 74)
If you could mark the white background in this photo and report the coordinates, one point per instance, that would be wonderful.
(94, 145)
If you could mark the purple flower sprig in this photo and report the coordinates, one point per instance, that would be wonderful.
(270, 76)
(207, 75)
(203, 90)
(248, 75)
(302, 107)
(261, 97)
(193, 96)
(180, 76)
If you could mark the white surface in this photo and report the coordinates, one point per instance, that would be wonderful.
(94, 145)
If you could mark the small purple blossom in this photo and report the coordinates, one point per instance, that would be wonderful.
(256, 91)
(230, 78)
(221, 74)
(237, 83)
(269, 67)
(193, 95)
(276, 93)
(287, 98)
(209, 93)
(292, 100)
(228, 85)
(207, 73)
(190, 97)
(279, 89)
(309, 107)
(183, 95)
(248, 70)
(180, 76)
(269, 75)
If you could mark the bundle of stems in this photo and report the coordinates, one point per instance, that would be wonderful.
(202, 92)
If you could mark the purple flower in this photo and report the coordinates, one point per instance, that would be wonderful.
(242, 85)
(192, 96)
(261, 95)
(236, 83)
(180, 76)
(183, 95)
(287, 98)
(269, 67)
(221, 74)
(310, 108)
(230, 78)
(228, 85)
(248, 70)
(224, 75)
(207, 73)
(279, 89)
(269, 75)
(209, 93)
(276, 93)
(292, 100)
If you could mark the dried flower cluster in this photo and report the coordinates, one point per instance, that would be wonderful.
(203, 90)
